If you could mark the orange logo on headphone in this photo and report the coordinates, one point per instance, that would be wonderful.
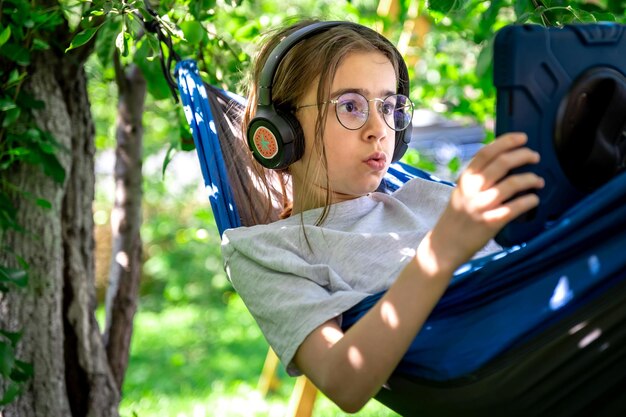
(265, 143)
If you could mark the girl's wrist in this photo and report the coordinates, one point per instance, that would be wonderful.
(435, 258)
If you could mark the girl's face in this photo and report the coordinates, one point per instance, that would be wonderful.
(357, 159)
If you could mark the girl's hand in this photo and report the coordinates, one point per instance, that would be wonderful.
(485, 199)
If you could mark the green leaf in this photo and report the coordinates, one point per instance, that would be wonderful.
(488, 19)
(147, 17)
(16, 53)
(200, 9)
(12, 391)
(44, 203)
(40, 44)
(14, 337)
(485, 59)
(122, 43)
(105, 43)
(15, 276)
(46, 147)
(454, 165)
(523, 10)
(5, 35)
(127, 40)
(83, 37)
(157, 84)
(6, 104)
(53, 168)
(248, 31)
(168, 157)
(583, 16)
(15, 77)
(27, 101)
(446, 6)
(7, 213)
(22, 371)
(604, 17)
(11, 116)
(193, 30)
(7, 358)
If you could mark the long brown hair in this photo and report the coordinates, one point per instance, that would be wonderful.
(316, 57)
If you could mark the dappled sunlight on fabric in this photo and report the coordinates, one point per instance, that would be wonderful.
(577, 327)
(212, 191)
(594, 264)
(198, 116)
(191, 84)
(562, 294)
(589, 338)
(202, 91)
(188, 114)
(499, 255)
(463, 269)
(407, 253)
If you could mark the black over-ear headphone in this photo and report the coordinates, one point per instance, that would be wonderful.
(274, 135)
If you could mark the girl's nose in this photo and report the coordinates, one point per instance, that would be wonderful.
(375, 127)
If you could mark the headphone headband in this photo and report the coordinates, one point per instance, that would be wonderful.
(278, 53)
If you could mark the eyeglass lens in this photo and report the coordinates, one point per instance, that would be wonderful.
(353, 110)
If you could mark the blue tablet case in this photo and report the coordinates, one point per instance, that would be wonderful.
(543, 78)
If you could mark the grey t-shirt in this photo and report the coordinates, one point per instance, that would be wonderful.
(291, 287)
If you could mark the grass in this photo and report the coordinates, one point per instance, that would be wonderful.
(204, 360)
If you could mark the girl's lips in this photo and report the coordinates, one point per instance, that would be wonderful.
(376, 161)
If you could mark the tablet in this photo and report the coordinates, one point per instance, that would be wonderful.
(566, 89)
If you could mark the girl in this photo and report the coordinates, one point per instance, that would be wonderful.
(344, 241)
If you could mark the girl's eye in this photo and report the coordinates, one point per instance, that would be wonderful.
(348, 107)
(388, 108)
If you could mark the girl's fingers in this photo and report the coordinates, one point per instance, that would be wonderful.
(497, 170)
(512, 209)
(503, 195)
(487, 153)
(500, 167)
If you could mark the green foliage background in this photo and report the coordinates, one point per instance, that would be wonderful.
(196, 351)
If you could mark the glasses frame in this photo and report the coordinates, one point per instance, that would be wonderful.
(335, 101)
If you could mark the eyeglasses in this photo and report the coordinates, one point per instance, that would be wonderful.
(352, 110)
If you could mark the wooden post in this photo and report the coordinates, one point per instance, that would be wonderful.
(268, 381)
(302, 398)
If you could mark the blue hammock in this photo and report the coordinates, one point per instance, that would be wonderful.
(560, 295)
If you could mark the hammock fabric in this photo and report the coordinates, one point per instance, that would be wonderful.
(537, 329)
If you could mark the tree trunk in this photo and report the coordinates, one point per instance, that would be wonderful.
(125, 272)
(55, 312)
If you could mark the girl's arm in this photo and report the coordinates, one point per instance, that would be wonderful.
(351, 367)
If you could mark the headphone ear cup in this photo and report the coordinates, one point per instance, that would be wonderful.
(294, 148)
(403, 139)
(590, 131)
(275, 138)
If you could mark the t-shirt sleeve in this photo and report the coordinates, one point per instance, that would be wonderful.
(285, 294)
